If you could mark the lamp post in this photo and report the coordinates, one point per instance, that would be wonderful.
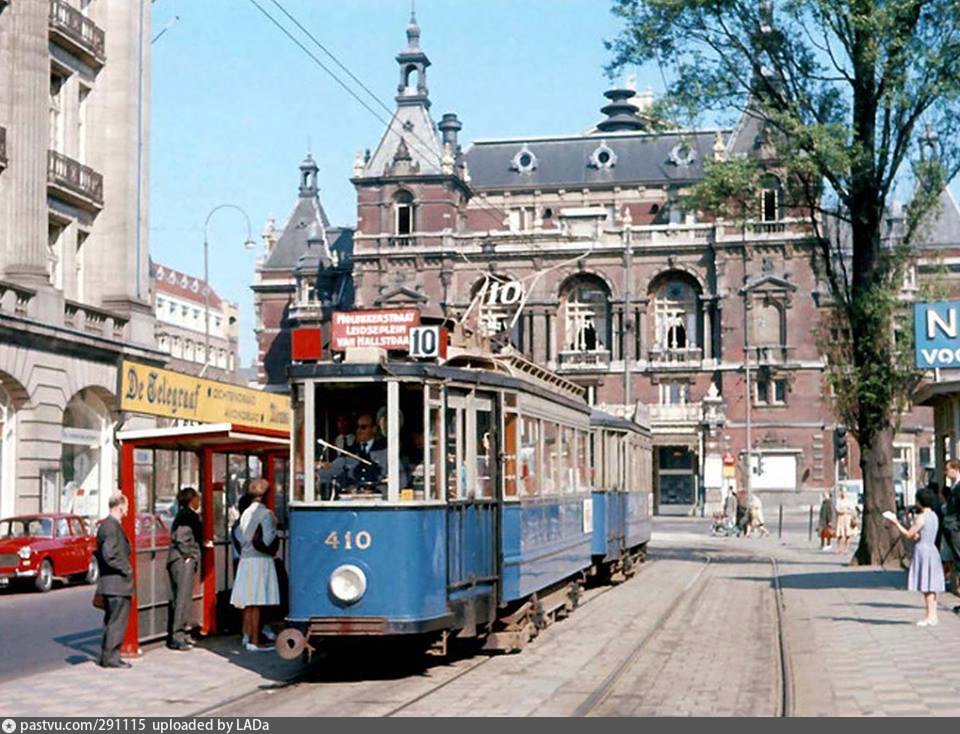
(249, 244)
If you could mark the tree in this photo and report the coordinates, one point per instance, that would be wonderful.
(847, 89)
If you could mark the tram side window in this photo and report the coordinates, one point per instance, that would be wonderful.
(528, 458)
(486, 454)
(549, 482)
(434, 471)
(510, 428)
(566, 461)
(456, 470)
(584, 479)
(298, 447)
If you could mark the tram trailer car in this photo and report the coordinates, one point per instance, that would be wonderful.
(498, 484)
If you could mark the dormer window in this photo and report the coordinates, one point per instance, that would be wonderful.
(404, 218)
(524, 161)
(603, 157)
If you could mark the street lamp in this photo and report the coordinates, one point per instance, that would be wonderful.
(248, 244)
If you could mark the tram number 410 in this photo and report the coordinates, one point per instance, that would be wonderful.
(360, 540)
(428, 342)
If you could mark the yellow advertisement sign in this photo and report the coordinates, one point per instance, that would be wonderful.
(170, 394)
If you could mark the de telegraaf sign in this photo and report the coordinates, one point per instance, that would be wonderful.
(937, 334)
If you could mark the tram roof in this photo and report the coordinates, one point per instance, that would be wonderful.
(499, 374)
(608, 420)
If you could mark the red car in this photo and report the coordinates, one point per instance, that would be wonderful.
(41, 547)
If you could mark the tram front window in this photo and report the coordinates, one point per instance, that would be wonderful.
(355, 442)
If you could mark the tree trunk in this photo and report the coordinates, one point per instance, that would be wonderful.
(878, 539)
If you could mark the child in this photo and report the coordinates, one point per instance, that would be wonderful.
(926, 571)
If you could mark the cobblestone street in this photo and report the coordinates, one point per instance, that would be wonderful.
(695, 632)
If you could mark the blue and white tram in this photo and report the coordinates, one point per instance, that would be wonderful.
(482, 523)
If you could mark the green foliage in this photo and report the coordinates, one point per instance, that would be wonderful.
(845, 91)
(729, 189)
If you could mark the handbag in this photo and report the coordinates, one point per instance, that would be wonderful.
(827, 533)
(98, 601)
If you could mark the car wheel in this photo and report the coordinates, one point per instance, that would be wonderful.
(44, 580)
(93, 572)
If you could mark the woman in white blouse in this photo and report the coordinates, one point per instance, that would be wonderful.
(255, 585)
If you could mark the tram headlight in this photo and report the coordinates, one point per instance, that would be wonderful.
(348, 583)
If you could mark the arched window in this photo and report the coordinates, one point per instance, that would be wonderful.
(86, 461)
(676, 311)
(771, 201)
(404, 209)
(585, 303)
(411, 80)
(8, 441)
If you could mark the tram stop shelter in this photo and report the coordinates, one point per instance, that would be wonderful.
(218, 459)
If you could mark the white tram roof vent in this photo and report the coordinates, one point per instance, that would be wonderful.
(365, 355)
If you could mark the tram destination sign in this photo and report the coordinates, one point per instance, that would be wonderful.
(153, 391)
(937, 334)
(386, 328)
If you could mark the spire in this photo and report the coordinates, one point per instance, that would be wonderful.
(413, 62)
(308, 177)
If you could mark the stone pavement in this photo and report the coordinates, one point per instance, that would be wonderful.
(162, 682)
(854, 651)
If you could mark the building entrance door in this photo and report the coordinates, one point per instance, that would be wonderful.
(677, 492)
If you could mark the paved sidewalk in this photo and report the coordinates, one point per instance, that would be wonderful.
(162, 682)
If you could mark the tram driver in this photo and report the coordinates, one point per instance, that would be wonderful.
(362, 471)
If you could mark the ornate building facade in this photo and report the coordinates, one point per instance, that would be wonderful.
(579, 251)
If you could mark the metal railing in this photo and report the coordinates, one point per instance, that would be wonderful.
(592, 359)
(675, 355)
(75, 177)
(81, 33)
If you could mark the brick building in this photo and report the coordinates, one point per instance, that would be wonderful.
(623, 290)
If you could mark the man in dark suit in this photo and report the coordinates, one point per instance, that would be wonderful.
(186, 535)
(116, 582)
(951, 513)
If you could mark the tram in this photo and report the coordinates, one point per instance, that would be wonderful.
(496, 493)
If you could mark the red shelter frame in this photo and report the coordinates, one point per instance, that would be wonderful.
(205, 441)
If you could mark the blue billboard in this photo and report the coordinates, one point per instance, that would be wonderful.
(937, 334)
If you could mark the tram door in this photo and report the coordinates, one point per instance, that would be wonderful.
(472, 515)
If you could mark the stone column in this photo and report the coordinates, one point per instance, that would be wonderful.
(707, 331)
(25, 81)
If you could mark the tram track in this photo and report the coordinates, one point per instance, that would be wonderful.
(603, 691)
(688, 596)
(443, 684)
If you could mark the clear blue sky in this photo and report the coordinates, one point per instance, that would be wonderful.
(234, 104)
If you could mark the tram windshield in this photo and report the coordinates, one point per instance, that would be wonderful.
(358, 447)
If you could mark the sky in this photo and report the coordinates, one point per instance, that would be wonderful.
(235, 105)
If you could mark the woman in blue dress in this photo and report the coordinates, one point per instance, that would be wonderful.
(926, 570)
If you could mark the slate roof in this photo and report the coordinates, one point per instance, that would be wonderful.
(306, 216)
(944, 229)
(414, 125)
(640, 158)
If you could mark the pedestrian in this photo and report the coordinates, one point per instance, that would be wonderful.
(951, 514)
(828, 521)
(236, 537)
(845, 510)
(755, 514)
(743, 516)
(255, 585)
(183, 561)
(946, 555)
(926, 571)
(115, 584)
(730, 510)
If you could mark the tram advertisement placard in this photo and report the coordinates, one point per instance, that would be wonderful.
(153, 391)
(387, 328)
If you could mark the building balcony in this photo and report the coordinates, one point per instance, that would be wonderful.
(771, 354)
(75, 32)
(682, 414)
(74, 182)
(15, 299)
(596, 359)
(3, 142)
(674, 357)
(92, 320)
